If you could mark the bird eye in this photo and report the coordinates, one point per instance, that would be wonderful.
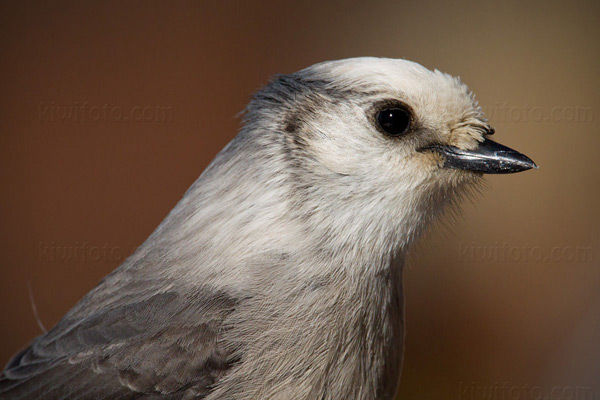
(393, 121)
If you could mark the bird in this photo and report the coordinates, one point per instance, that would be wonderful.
(278, 275)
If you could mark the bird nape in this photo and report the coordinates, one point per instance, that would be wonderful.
(279, 273)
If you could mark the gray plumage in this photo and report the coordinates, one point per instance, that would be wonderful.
(278, 275)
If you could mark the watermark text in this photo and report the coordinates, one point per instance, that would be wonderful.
(83, 112)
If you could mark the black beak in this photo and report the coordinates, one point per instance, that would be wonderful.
(489, 157)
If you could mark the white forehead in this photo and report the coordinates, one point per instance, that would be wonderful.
(371, 69)
(387, 73)
(425, 90)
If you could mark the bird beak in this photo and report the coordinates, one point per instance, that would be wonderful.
(489, 157)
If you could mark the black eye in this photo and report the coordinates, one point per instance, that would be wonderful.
(394, 121)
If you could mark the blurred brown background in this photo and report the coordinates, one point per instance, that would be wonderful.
(110, 110)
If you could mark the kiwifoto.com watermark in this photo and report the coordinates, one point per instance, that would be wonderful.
(504, 252)
(86, 252)
(81, 252)
(505, 112)
(507, 391)
(84, 112)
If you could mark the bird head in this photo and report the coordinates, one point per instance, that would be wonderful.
(364, 149)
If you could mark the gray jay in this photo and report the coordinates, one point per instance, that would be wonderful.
(279, 273)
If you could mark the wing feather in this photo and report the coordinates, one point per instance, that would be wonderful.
(164, 345)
